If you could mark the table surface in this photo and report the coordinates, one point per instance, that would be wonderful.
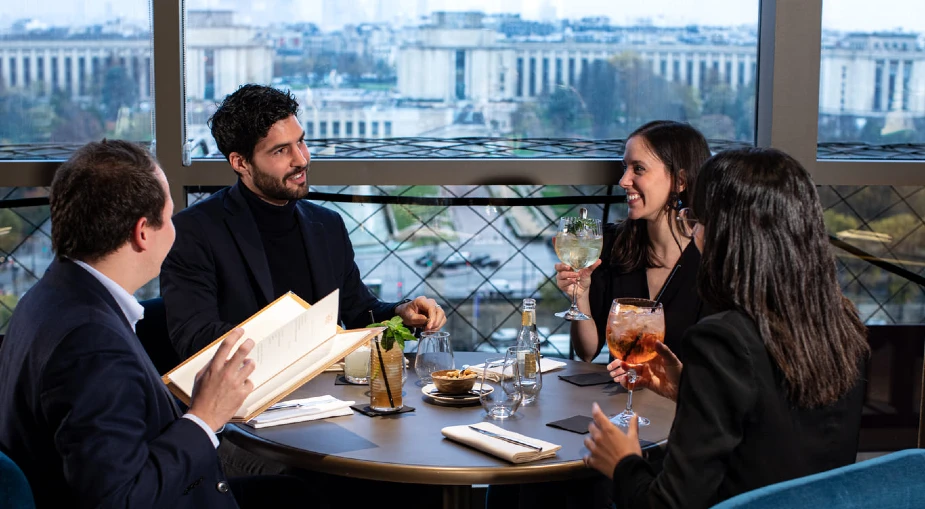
(409, 447)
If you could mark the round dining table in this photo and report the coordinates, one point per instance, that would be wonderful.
(409, 447)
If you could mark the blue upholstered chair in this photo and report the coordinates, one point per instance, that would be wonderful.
(15, 492)
(894, 481)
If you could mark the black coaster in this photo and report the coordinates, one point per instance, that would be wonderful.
(575, 424)
(588, 379)
(342, 380)
(365, 410)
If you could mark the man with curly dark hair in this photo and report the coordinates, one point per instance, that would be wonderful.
(252, 242)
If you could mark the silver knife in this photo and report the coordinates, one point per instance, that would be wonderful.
(288, 405)
(506, 439)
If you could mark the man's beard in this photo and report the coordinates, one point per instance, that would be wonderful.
(274, 189)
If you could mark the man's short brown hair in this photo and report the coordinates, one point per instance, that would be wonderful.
(99, 194)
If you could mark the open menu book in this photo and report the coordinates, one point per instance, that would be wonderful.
(294, 342)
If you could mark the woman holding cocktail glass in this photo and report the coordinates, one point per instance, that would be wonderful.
(770, 388)
(644, 256)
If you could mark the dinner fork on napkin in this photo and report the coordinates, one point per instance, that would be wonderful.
(300, 410)
(500, 442)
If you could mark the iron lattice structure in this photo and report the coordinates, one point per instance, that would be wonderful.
(440, 148)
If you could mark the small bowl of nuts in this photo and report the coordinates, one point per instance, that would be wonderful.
(454, 381)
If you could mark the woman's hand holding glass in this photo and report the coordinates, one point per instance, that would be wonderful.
(607, 444)
(567, 279)
(661, 375)
(578, 245)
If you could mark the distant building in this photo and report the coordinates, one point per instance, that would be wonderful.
(871, 75)
(463, 61)
(220, 57)
(75, 64)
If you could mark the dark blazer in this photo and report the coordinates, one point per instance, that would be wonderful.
(734, 428)
(84, 413)
(217, 275)
(682, 304)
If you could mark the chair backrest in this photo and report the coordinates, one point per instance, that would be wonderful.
(922, 413)
(893, 481)
(152, 332)
(891, 419)
(15, 492)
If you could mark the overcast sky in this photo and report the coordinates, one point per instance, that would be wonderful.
(856, 15)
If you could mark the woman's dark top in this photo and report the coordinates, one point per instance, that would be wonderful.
(680, 299)
(734, 428)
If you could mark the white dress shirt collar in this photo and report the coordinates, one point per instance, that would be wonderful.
(132, 310)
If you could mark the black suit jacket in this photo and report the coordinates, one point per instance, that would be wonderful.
(735, 428)
(217, 275)
(84, 413)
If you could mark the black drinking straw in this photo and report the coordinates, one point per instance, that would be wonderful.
(388, 390)
(661, 292)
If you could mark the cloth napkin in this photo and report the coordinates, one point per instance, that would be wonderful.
(310, 409)
(496, 447)
(584, 379)
(546, 364)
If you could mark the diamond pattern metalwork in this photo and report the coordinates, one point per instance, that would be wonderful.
(887, 222)
(25, 247)
(436, 148)
(479, 261)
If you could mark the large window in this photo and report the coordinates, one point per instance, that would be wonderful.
(483, 72)
(872, 81)
(879, 240)
(71, 72)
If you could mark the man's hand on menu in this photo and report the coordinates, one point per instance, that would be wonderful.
(222, 385)
(422, 312)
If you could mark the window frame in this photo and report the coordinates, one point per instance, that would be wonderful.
(789, 52)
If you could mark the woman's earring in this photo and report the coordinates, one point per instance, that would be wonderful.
(674, 201)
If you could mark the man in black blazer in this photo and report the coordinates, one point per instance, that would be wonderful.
(83, 411)
(246, 245)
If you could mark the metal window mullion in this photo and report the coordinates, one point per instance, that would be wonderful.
(789, 53)
(169, 94)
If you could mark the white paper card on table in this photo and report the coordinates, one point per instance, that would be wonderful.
(500, 448)
(309, 409)
(546, 364)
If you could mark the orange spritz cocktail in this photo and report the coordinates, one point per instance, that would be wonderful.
(634, 326)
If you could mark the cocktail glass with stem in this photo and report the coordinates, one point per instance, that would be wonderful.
(578, 244)
(634, 327)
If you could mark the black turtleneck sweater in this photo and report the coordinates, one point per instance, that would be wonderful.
(283, 246)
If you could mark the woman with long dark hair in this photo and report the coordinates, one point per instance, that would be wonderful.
(644, 256)
(770, 388)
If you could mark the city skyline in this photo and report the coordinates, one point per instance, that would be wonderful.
(848, 15)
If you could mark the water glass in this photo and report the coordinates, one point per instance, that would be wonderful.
(356, 365)
(503, 376)
(435, 353)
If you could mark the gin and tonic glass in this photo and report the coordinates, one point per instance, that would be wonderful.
(578, 244)
(634, 327)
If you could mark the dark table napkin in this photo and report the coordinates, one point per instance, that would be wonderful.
(575, 424)
(366, 410)
(588, 378)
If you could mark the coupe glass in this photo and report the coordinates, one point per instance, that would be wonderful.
(578, 244)
(634, 327)
(435, 353)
